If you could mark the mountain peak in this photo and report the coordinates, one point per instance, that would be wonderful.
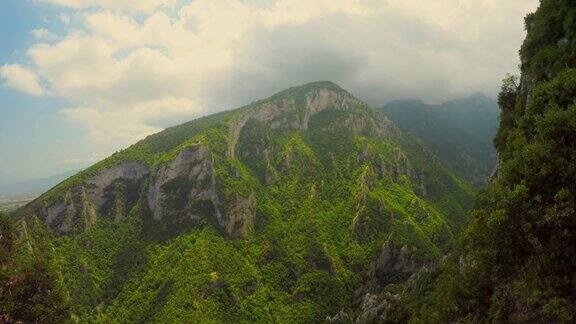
(294, 108)
(316, 85)
(305, 100)
(299, 92)
(280, 175)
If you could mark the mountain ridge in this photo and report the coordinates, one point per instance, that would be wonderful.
(460, 132)
(289, 109)
(276, 206)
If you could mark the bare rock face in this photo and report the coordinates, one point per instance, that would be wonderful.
(269, 113)
(496, 171)
(376, 309)
(184, 189)
(98, 184)
(73, 213)
(78, 208)
(341, 318)
(370, 309)
(289, 114)
(238, 219)
(396, 259)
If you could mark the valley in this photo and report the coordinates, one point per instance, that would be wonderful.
(10, 205)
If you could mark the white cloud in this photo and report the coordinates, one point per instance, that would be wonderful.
(42, 34)
(131, 122)
(64, 18)
(78, 67)
(22, 79)
(301, 11)
(134, 67)
(127, 5)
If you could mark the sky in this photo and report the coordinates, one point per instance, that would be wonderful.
(80, 79)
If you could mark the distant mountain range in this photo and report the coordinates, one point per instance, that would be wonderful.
(459, 132)
(31, 188)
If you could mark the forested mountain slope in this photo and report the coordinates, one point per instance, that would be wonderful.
(287, 210)
(516, 263)
(460, 132)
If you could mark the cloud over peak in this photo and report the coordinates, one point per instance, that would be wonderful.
(133, 67)
(21, 79)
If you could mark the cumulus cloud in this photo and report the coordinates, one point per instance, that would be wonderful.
(128, 5)
(64, 18)
(134, 67)
(131, 122)
(22, 79)
(42, 33)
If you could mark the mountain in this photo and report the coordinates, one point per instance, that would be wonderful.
(282, 210)
(32, 188)
(516, 262)
(459, 132)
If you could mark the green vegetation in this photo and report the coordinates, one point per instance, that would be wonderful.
(459, 132)
(516, 261)
(31, 287)
(331, 206)
(327, 197)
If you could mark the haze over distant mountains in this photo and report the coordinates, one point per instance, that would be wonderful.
(459, 132)
(31, 188)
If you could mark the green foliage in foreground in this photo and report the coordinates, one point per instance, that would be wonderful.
(31, 287)
(517, 261)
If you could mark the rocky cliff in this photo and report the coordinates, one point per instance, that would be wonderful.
(289, 209)
(187, 188)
